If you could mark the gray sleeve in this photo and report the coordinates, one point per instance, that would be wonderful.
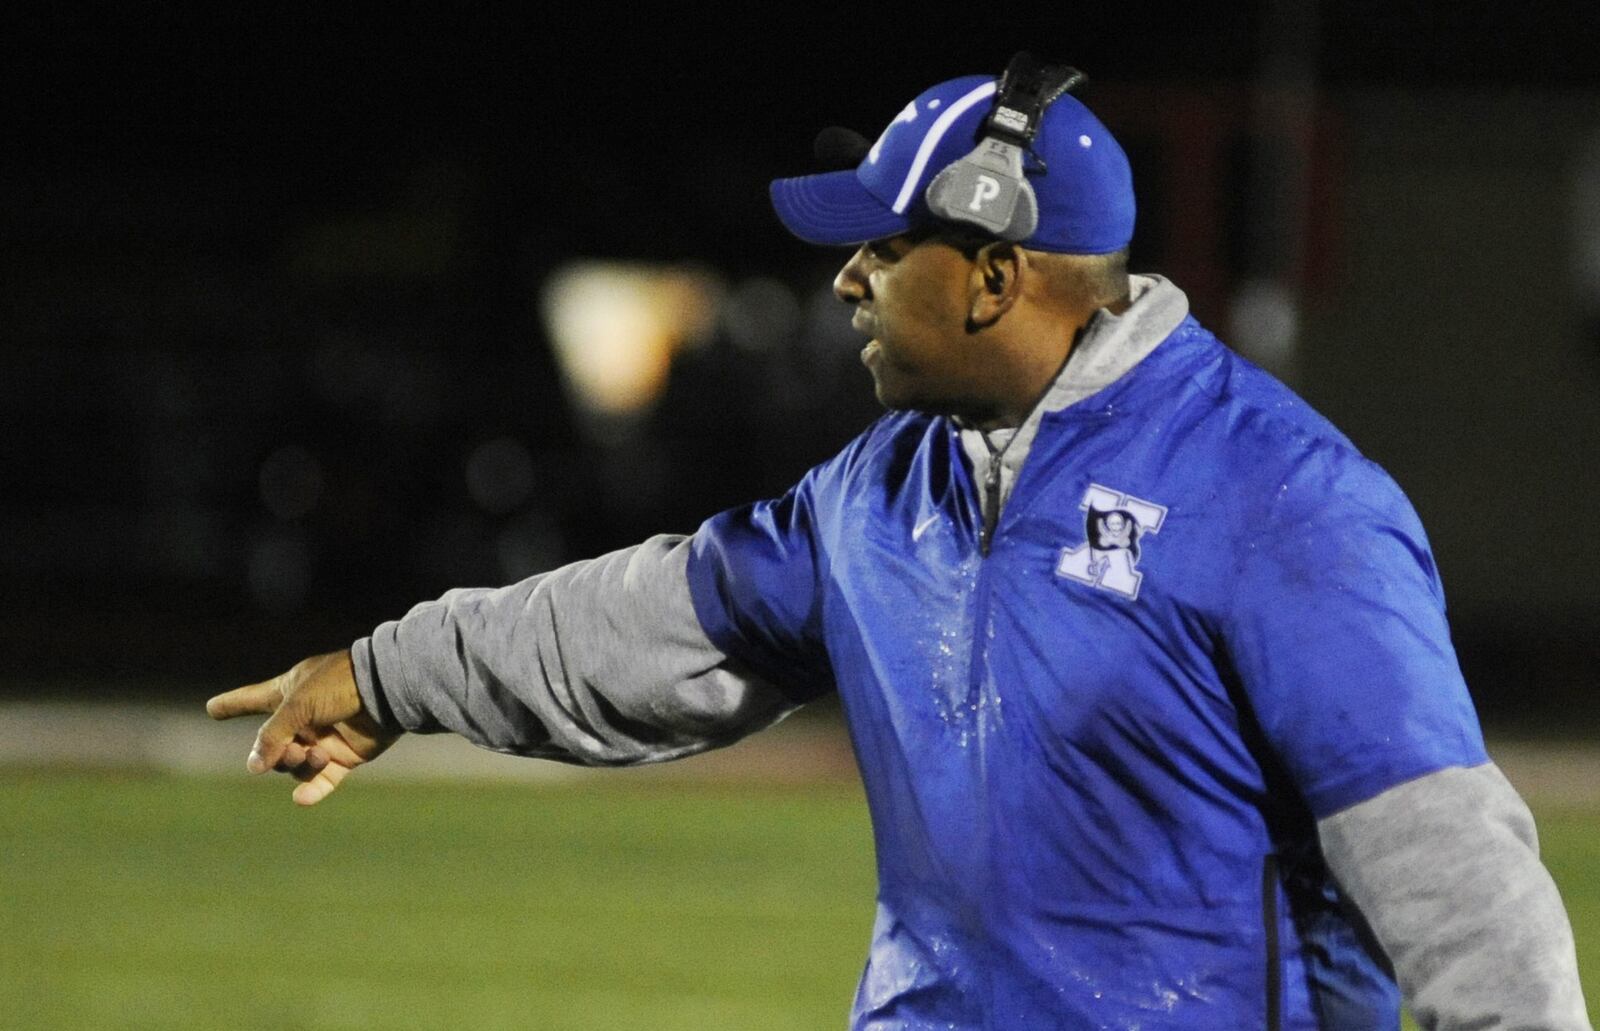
(601, 663)
(1446, 871)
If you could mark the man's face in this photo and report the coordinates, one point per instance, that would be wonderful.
(911, 298)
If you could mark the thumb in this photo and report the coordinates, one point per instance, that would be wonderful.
(275, 735)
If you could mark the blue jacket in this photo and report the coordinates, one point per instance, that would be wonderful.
(1095, 755)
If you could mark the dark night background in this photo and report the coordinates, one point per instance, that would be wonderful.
(272, 363)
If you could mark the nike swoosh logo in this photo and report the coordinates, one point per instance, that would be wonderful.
(922, 527)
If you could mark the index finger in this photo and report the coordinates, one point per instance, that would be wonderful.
(252, 700)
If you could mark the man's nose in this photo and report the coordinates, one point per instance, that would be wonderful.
(850, 285)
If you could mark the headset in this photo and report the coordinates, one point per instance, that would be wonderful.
(989, 187)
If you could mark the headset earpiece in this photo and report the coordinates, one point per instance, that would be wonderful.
(989, 187)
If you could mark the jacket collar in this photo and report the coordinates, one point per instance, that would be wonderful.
(1113, 344)
(1109, 347)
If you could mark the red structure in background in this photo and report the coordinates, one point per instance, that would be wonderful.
(1190, 149)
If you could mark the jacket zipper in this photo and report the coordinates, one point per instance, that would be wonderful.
(1269, 917)
(991, 519)
(991, 507)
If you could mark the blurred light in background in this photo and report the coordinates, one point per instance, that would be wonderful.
(615, 327)
(1264, 319)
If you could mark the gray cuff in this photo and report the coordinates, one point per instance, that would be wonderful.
(370, 686)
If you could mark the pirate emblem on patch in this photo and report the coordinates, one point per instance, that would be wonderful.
(1108, 558)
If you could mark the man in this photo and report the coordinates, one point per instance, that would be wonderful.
(1145, 667)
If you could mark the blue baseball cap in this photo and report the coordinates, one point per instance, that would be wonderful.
(1081, 179)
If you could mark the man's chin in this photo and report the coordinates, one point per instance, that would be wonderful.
(898, 391)
(883, 385)
(888, 399)
(889, 394)
(898, 399)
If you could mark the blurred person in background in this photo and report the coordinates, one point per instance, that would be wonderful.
(1145, 666)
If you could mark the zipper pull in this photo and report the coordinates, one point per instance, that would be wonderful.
(991, 507)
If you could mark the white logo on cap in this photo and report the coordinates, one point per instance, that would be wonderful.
(907, 114)
(986, 188)
(936, 132)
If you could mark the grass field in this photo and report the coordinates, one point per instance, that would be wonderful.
(174, 903)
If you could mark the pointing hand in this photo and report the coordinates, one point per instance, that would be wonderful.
(316, 729)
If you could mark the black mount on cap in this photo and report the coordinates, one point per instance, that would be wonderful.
(1026, 89)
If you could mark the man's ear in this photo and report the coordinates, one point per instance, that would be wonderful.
(995, 282)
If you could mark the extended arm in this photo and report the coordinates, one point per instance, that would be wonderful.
(600, 662)
(1446, 870)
